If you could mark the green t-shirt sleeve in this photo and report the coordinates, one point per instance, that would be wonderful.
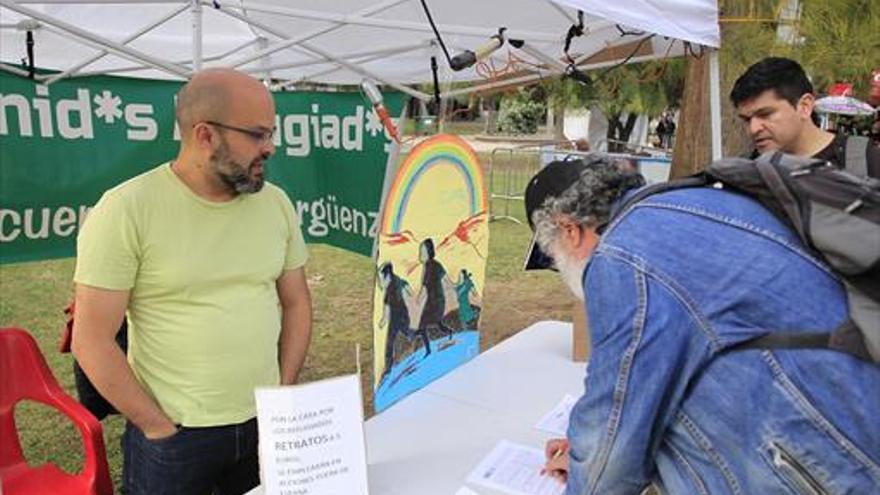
(297, 254)
(106, 247)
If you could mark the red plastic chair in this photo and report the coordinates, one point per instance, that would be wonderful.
(25, 375)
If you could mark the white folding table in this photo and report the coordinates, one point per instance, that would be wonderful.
(430, 441)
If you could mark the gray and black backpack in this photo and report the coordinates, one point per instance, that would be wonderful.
(835, 212)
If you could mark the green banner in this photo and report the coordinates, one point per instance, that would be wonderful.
(62, 146)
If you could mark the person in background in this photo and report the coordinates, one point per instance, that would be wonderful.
(775, 101)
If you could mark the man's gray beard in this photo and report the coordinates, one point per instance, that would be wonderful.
(571, 271)
(233, 175)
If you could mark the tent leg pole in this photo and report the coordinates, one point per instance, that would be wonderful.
(265, 64)
(715, 103)
(196, 11)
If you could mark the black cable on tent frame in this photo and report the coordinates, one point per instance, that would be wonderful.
(29, 44)
(436, 32)
(436, 82)
(573, 32)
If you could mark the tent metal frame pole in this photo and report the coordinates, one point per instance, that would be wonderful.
(366, 58)
(327, 56)
(14, 70)
(535, 77)
(187, 62)
(265, 62)
(196, 12)
(620, 41)
(715, 103)
(296, 40)
(562, 11)
(84, 63)
(361, 60)
(358, 70)
(348, 56)
(62, 2)
(361, 20)
(554, 64)
(151, 63)
(496, 84)
(81, 35)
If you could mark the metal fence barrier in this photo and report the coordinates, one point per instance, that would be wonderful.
(510, 169)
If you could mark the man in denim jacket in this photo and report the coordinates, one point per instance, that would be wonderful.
(674, 282)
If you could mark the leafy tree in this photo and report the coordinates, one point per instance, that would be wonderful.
(520, 112)
(834, 40)
(841, 42)
(623, 93)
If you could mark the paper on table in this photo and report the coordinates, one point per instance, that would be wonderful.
(556, 421)
(465, 491)
(515, 469)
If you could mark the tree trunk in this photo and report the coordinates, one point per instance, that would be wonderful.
(619, 132)
(558, 129)
(627, 129)
(736, 141)
(693, 141)
(491, 116)
(612, 132)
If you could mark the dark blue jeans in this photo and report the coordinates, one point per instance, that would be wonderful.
(217, 460)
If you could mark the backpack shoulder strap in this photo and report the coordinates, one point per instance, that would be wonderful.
(698, 180)
(856, 155)
(846, 338)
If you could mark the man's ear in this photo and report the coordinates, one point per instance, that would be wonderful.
(570, 231)
(203, 137)
(806, 104)
(584, 240)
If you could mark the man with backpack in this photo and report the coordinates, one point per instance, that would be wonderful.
(678, 282)
(775, 101)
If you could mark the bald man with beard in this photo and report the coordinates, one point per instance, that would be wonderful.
(207, 261)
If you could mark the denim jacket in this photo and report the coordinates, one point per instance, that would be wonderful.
(673, 284)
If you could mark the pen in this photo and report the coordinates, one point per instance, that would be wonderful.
(556, 455)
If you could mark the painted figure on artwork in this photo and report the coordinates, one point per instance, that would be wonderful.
(432, 293)
(432, 240)
(396, 313)
(465, 287)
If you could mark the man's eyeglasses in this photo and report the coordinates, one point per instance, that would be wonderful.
(261, 135)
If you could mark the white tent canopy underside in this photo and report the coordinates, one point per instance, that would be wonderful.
(339, 41)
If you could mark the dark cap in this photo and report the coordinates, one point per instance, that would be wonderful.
(550, 182)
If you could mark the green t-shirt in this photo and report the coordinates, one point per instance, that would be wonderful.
(204, 315)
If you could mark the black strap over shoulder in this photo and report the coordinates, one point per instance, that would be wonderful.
(781, 188)
(787, 340)
(845, 338)
(698, 180)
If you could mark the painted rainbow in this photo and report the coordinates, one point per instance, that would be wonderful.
(440, 150)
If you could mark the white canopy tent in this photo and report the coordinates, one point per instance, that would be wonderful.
(345, 41)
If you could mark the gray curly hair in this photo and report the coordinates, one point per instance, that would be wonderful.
(587, 201)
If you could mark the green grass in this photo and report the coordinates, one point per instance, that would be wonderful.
(34, 295)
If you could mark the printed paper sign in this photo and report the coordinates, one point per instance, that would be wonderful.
(515, 469)
(556, 421)
(312, 438)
